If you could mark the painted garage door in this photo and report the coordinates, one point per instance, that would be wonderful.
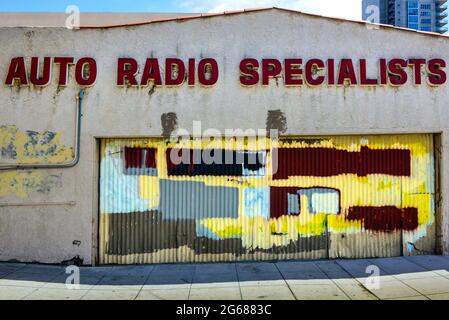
(265, 199)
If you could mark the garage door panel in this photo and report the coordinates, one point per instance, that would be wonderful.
(303, 198)
(396, 209)
(365, 244)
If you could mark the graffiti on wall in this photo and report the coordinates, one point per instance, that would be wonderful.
(30, 147)
(335, 185)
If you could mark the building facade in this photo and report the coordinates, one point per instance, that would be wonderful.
(423, 15)
(223, 137)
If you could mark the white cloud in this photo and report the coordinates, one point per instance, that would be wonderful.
(349, 9)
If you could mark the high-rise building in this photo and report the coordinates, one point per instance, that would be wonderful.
(424, 15)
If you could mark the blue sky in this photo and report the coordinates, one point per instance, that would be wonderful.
(350, 9)
(88, 5)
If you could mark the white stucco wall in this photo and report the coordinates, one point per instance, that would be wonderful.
(46, 233)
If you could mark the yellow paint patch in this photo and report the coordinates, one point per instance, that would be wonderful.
(22, 184)
(313, 225)
(423, 202)
(339, 224)
(29, 147)
(230, 232)
(38, 148)
(149, 190)
(384, 185)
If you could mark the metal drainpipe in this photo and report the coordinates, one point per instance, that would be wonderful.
(75, 159)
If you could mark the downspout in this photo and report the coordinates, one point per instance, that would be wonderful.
(76, 157)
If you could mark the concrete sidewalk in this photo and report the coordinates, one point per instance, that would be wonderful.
(424, 277)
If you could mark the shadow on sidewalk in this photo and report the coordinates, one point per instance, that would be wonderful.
(179, 274)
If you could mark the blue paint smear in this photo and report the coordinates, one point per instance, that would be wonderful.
(151, 172)
(203, 231)
(257, 202)
(322, 200)
(293, 204)
(119, 193)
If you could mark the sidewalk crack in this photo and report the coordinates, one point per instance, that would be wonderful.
(288, 286)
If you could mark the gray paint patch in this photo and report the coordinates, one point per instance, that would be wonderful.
(152, 172)
(301, 245)
(195, 200)
(147, 232)
(45, 185)
(276, 120)
(169, 123)
(50, 182)
(203, 245)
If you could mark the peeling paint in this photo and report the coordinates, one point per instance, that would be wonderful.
(29, 147)
(276, 120)
(169, 123)
(23, 184)
(8, 142)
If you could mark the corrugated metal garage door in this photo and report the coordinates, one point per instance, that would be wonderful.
(297, 198)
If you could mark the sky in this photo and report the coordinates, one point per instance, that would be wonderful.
(349, 9)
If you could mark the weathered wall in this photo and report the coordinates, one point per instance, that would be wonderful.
(45, 232)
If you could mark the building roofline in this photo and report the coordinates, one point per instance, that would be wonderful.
(251, 10)
(182, 18)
